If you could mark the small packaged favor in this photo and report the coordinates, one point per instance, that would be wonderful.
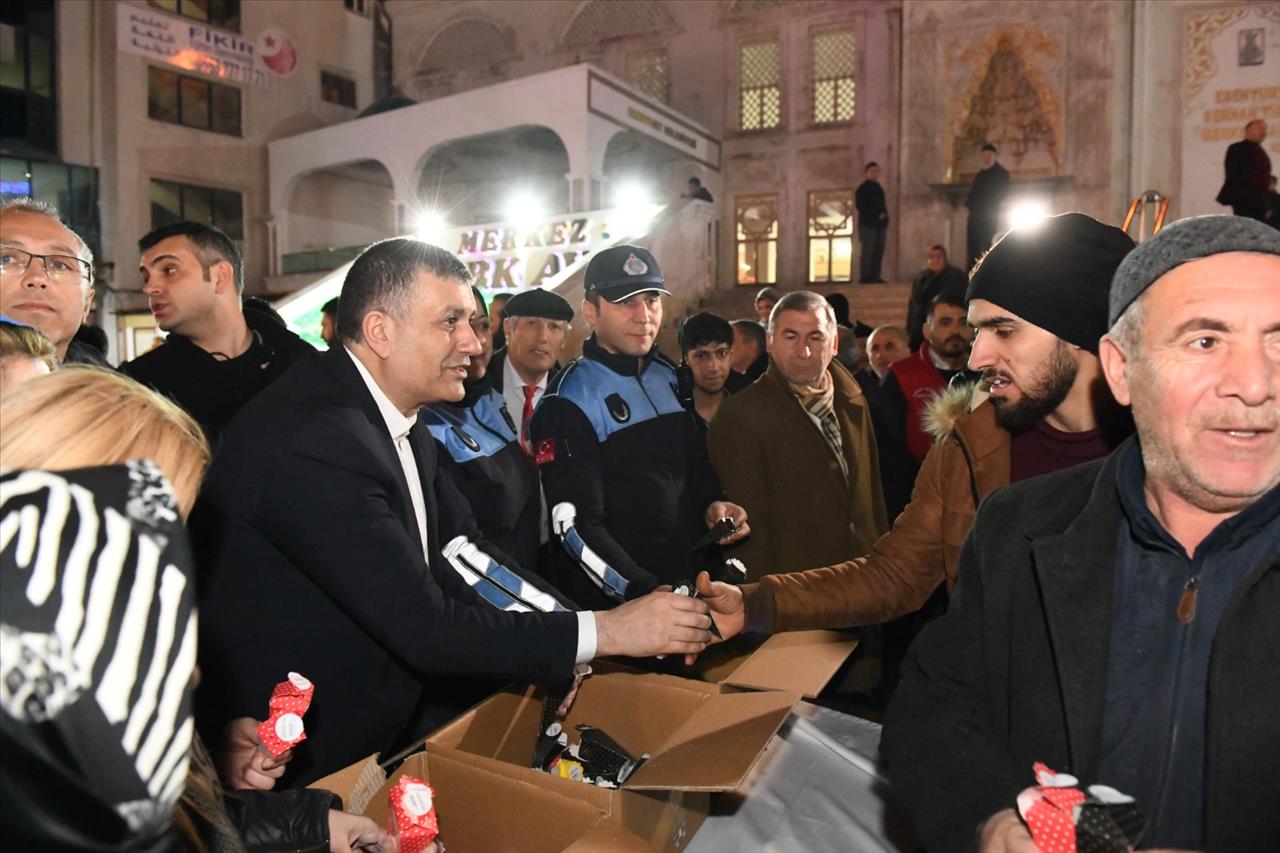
(283, 728)
(1064, 819)
(413, 815)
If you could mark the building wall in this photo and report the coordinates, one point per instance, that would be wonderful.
(701, 41)
(103, 106)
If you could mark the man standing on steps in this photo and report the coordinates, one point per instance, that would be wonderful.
(986, 198)
(873, 224)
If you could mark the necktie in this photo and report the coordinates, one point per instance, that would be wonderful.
(525, 415)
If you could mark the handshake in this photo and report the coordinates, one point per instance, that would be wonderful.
(666, 623)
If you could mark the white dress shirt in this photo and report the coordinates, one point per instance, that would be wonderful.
(398, 426)
(513, 390)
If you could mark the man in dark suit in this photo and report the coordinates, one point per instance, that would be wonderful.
(1248, 173)
(331, 546)
(985, 200)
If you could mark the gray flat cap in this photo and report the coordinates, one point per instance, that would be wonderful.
(1184, 241)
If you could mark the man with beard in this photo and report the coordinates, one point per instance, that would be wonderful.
(913, 382)
(1047, 408)
(1117, 620)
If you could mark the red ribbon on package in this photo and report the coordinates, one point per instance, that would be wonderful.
(413, 814)
(1064, 819)
(283, 729)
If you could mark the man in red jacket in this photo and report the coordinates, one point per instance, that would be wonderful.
(912, 382)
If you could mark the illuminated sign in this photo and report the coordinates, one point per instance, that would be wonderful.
(615, 104)
(193, 46)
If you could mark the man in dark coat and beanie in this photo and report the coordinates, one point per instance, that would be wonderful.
(1117, 620)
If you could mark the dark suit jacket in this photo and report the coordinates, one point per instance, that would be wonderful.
(1016, 672)
(1247, 171)
(310, 561)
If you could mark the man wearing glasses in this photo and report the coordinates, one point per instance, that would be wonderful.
(46, 274)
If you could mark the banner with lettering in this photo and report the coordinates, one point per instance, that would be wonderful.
(194, 46)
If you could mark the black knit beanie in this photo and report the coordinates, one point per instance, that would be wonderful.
(1056, 274)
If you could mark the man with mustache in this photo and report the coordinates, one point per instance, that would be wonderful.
(331, 544)
(912, 382)
(1117, 621)
(624, 467)
(1048, 408)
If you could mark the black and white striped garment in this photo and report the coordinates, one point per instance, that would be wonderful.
(97, 651)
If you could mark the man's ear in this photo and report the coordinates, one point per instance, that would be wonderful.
(1115, 366)
(224, 277)
(88, 306)
(378, 331)
(589, 312)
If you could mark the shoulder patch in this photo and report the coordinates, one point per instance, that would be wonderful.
(618, 408)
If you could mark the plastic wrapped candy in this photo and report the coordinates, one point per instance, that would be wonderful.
(1064, 819)
(283, 728)
(596, 758)
(413, 815)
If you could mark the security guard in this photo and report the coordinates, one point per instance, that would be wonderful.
(483, 457)
(624, 469)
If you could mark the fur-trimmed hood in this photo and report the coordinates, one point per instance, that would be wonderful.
(945, 410)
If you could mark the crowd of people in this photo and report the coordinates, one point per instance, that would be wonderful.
(1060, 482)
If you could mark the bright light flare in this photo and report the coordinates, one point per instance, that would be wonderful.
(429, 226)
(524, 212)
(1028, 213)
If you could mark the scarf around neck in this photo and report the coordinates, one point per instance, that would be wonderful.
(819, 402)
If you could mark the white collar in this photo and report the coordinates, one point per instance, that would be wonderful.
(513, 379)
(398, 424)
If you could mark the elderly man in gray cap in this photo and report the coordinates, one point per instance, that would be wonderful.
(1118, 620)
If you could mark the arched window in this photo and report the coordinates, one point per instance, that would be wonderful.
(601, 20)
(466, 42)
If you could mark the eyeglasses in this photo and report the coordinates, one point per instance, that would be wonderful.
(60, 268)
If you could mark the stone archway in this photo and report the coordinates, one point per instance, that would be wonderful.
(334, 212)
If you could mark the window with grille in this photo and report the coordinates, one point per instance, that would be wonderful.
(337, 89)
(831, 236)
(760, 86)
(172, 202)
(757, 236)
(833, 76)
(648, 72)
(192, 101)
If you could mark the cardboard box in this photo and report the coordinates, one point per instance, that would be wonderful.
(700, 739)
(482, 811)
(796, 662)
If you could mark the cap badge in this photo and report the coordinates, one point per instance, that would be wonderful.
(635, 266)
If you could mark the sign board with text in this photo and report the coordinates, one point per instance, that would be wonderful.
(1231, 76)
(193, 46)
(618, 106)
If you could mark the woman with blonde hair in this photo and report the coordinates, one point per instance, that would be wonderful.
(84, 416)
(98, 628)
(25, 353)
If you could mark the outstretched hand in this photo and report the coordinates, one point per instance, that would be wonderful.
(725, 509)
(660, 623)
(243, 762)
(727, 608)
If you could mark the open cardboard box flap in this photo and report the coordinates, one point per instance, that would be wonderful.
(698, 737)
(356, 785)
(796, 661)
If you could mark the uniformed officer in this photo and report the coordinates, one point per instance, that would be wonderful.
(624, 469)
(483, 457)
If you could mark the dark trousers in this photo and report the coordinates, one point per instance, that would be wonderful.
(980, 230)
(872, 240)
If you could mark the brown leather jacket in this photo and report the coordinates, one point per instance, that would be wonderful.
(969, 460)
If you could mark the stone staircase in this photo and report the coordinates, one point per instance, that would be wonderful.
(873, 304)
